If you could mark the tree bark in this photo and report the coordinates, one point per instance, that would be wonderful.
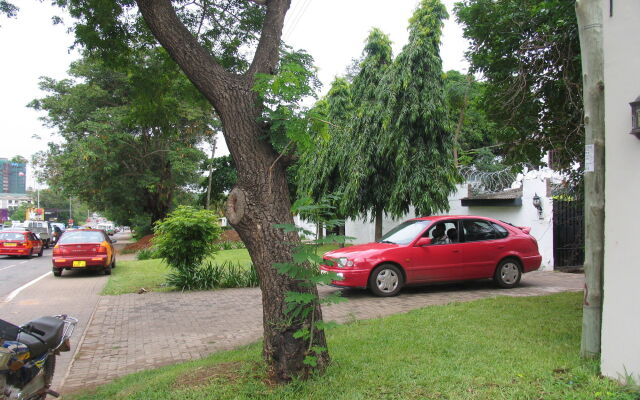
(260, 198)
(378, 228)
(589, 13)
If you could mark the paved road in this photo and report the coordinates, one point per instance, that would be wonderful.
(15, 272)
(75, 294)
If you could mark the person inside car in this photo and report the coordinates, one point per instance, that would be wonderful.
(440, 235)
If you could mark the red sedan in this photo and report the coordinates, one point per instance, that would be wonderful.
(84, 249)
(20, 243)
(437, 249)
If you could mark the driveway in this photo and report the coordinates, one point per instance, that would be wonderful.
(133, 332)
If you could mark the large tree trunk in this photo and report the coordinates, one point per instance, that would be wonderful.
(261, 197)
(589, 13)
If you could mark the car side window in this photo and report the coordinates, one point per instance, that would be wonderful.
(500, 231)
(475, 230)
(443, 233)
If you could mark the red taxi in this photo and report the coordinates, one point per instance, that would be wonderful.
(20, 243)
(87, 249)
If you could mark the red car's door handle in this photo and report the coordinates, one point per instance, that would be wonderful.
(455, 251)
(501, 247)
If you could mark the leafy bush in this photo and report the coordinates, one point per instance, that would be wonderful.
(148, 254)
(185, 238)
(214, 276)
(229, 245)
(141, 226)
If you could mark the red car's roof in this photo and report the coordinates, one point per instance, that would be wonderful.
(439, 217)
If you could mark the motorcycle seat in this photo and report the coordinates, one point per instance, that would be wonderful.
(52, 328)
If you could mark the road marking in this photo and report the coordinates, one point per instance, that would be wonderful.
(22, 262)
(21, 288)
(7, 267)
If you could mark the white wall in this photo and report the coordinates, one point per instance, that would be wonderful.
(534, 182)
(621, 318)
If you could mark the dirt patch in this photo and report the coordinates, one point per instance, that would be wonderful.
(143, 243)
(230, 372)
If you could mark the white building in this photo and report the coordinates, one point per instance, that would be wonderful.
(621, 315)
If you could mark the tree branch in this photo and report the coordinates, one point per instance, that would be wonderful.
(199, 66)
(267, 53)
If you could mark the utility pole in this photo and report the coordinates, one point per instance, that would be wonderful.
(213, 152)
(589, 13)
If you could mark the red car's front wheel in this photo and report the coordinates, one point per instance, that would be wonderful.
(386, 280)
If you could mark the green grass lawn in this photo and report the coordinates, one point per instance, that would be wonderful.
(501, 348)
(130, 276)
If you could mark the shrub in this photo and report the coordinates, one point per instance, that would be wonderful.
(185, 238)
(214, 276)
(229, 245)
(148, 254)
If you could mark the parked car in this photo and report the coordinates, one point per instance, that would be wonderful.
(88, 249)
(20, 243)
(437, 249)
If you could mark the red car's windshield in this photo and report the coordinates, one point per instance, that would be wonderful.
(81, 237)
(405, 232)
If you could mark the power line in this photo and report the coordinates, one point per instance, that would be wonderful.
(297, 17)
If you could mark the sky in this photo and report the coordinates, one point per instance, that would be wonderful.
(332, 31)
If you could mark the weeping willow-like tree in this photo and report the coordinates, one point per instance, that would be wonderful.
(392, 148)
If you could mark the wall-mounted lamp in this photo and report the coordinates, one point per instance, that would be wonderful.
(635, 117)
(537, 203)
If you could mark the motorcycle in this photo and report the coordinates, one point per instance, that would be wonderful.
(28, 356)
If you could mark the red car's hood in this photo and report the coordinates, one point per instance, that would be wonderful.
(361, 250)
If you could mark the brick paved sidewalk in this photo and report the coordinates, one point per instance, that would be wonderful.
(135, 332)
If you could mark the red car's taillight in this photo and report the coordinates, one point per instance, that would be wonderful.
(57, 251)
(101, 250)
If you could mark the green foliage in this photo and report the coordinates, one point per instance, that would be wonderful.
(113, 29)
(185, 238)
(389, 144)
(476, 136)
(150, 253)
(214, 276)
(223, 177)
(8, 9)
(229, 245)
(529, 54)
(129, 135)
(19, 213)
(282, 94)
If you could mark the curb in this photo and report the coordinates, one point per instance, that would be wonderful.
(79, 345)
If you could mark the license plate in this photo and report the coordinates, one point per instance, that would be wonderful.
(79, 263)
(10, 244)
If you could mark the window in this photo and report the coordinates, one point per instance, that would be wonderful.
(500, 231)
(405, 232)
(475, 230)
(11, 236)
(443, 232)
(82, 237)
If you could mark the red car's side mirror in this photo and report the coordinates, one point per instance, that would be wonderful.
(423, 241)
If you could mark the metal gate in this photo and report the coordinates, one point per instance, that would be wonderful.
(568, 233)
